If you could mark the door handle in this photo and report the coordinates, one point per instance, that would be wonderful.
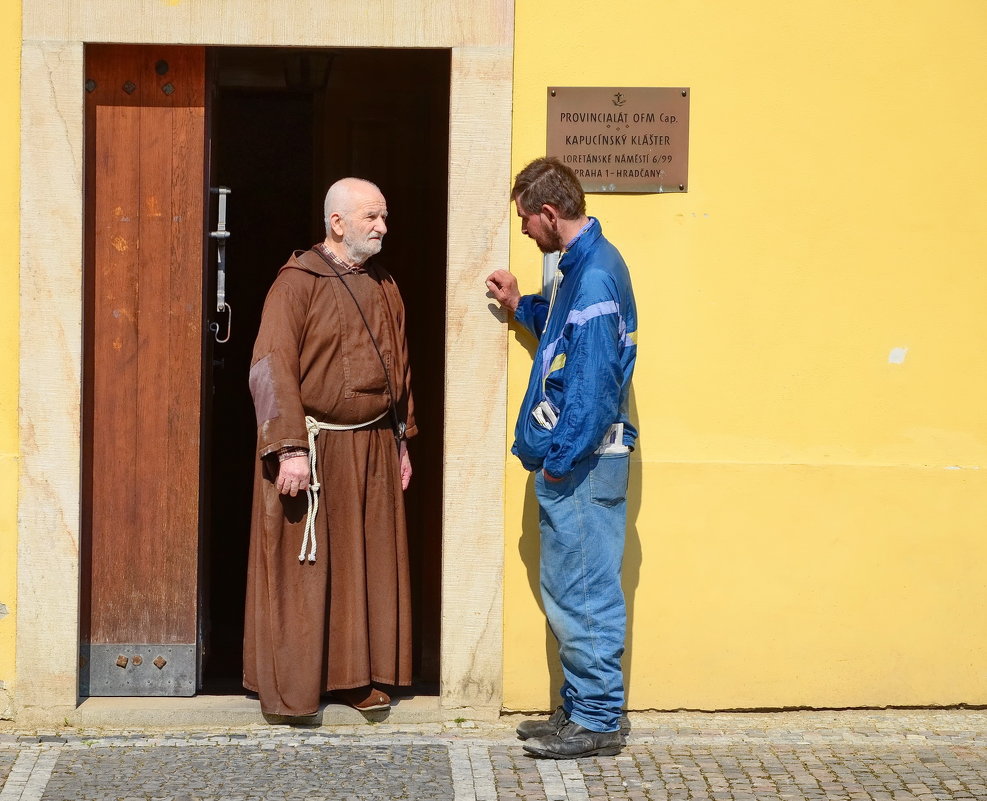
(221, 235)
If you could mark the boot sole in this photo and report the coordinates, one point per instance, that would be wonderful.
(610, 750)
(625, 731)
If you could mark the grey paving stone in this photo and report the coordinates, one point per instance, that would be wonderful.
(197, 773)
(766, 771)
(7, 759)
(913, 756)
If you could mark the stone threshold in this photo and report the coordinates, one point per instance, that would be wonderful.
(240, 710)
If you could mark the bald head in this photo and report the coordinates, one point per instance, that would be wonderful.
(355, 211)
(345, 194)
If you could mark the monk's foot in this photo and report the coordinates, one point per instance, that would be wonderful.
(364, 699)
(276, 719)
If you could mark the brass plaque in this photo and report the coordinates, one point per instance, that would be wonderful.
(616, 139)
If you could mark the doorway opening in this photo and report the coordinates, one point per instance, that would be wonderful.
(168, 426)
(286, 123)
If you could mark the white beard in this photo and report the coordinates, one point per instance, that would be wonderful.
(359, 252)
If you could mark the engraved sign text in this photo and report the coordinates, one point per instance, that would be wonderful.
(621, 139)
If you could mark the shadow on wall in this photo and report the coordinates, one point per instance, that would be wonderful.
(529, 549)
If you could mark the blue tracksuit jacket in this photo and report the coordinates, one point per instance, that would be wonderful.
(585, 357)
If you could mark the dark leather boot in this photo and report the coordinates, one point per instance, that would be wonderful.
(572, 741)
(542, 728)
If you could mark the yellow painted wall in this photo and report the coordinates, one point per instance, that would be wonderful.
(10, 45)
(808, 520)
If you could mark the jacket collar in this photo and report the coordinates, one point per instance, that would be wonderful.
(581, 244)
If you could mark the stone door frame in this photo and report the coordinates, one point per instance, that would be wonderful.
(479, 34)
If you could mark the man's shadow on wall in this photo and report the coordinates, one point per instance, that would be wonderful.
(529, 549)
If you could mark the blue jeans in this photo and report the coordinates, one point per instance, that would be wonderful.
(583, 520)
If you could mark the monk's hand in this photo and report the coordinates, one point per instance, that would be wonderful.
(405, 465)
(293, 475)
(503, 286)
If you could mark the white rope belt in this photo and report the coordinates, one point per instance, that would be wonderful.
(314, 426)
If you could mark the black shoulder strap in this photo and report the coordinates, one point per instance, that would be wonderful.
(399, 427)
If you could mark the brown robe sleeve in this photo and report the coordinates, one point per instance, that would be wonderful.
(274, 372)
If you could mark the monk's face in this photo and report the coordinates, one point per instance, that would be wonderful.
(364, 224)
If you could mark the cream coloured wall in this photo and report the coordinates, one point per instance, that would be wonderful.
(10, 26)
(807, 515)
(479, 35)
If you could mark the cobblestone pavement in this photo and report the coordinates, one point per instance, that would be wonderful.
(887, 756)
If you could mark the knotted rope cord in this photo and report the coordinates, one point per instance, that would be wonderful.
(313, 427)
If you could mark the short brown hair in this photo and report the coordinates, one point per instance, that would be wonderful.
(548, 180)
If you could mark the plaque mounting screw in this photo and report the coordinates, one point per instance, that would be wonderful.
(160, 662)
(129, 87)
(684, 93)
(553, 93)
(90, 85)
(122, 661)
(681, 187)
(168, 88)
(161, 67)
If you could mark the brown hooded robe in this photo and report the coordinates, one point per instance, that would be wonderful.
(343, 620)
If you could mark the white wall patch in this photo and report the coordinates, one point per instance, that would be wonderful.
(897, 355)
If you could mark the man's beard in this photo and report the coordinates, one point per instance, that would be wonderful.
(553, 244)
(359, 251)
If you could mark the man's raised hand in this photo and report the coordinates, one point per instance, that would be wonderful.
(503, 286)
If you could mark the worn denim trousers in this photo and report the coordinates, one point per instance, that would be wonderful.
(583, 520)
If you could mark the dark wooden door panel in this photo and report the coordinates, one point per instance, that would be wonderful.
(146, 118)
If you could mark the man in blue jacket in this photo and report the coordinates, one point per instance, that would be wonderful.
(573, 430)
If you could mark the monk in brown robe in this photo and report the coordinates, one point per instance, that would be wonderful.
(328, 598)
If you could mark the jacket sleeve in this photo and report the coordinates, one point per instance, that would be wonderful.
(588, 382)
(274, 372)
(532, 312)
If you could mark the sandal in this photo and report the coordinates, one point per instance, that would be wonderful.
(364, 699)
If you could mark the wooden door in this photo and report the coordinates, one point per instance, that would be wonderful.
(145, 173)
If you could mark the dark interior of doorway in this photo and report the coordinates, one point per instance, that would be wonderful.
(286, 123)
